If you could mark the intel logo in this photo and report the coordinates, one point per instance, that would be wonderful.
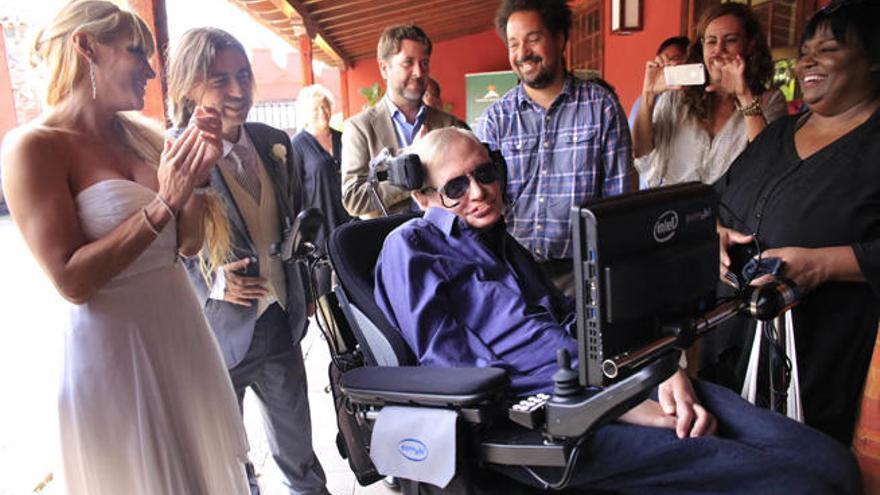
(664, 227)
(412, 449)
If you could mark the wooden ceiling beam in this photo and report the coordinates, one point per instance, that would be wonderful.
(260, 9)
(343, 31)
(333, 54)
(328, 7)
(315, 29)
(403, 10)
(435, 31)
(422, 18)
(365, 52)
(465, 31)
(359, 50)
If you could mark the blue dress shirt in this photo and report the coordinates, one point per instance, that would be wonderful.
(458, 304)
(405, 131)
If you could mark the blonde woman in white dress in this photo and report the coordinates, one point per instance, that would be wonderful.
(145, 404)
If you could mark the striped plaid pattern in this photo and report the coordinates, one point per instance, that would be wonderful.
(578, 149)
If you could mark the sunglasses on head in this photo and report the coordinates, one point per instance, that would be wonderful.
(486, 173)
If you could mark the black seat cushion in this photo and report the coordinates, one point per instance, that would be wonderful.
(354, 249)
(426, 386)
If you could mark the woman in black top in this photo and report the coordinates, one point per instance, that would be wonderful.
(808, 189)
(317, 149)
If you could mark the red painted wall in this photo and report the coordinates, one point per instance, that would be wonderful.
(275, 83)
(7, 103)
(361, 75)
(450, 61)
(625, 55)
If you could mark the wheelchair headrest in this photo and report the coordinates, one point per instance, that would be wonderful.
(354, 249)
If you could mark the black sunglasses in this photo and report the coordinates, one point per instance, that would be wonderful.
(486, 173)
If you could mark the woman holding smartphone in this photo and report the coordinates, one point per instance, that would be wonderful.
(694, 132)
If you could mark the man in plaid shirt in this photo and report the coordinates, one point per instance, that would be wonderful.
(565, 139)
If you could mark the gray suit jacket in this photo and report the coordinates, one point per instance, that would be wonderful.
(233, 324)
(364, 137)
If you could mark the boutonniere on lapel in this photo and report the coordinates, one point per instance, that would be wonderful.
(279, 153)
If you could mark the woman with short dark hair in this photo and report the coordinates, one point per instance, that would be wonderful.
(807, 191)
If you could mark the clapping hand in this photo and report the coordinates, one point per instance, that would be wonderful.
(729, 72)
(207, 121)
(186, 162)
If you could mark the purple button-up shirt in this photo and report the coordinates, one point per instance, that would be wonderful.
(458, 304)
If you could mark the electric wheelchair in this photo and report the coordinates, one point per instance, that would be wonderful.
(503, 443)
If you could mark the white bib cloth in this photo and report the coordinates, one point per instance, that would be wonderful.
(415, 444)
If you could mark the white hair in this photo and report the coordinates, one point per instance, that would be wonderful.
(307, 99)
(431, 148)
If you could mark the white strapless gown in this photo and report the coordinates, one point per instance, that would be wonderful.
(146, 406)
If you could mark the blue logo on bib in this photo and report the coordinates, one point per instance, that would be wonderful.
(412, 449)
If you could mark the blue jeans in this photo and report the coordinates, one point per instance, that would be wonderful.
(755, 451)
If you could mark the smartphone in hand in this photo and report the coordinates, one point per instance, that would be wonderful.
(684, 75)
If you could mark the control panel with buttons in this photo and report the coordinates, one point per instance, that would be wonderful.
(529, 412)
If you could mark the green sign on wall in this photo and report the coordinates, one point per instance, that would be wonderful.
(485, 88)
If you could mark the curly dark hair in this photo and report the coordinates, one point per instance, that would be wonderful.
(393, 36)
(850, 21)
(759, 63)
(555, 15)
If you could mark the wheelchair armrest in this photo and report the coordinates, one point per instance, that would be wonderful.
(423, 386)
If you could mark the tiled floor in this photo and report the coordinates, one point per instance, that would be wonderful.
(340, 480)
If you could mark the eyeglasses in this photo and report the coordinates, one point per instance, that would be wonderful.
(456, 188)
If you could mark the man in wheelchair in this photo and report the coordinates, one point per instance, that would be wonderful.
(464, 293)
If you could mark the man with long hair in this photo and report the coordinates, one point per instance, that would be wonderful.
(256, 304)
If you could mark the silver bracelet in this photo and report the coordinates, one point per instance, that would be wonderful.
(147, 221)
(202, 189)
(166, 205)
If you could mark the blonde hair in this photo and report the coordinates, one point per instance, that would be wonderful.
(306, 101)
(104, 21)
(188, 66)
(101, 19)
